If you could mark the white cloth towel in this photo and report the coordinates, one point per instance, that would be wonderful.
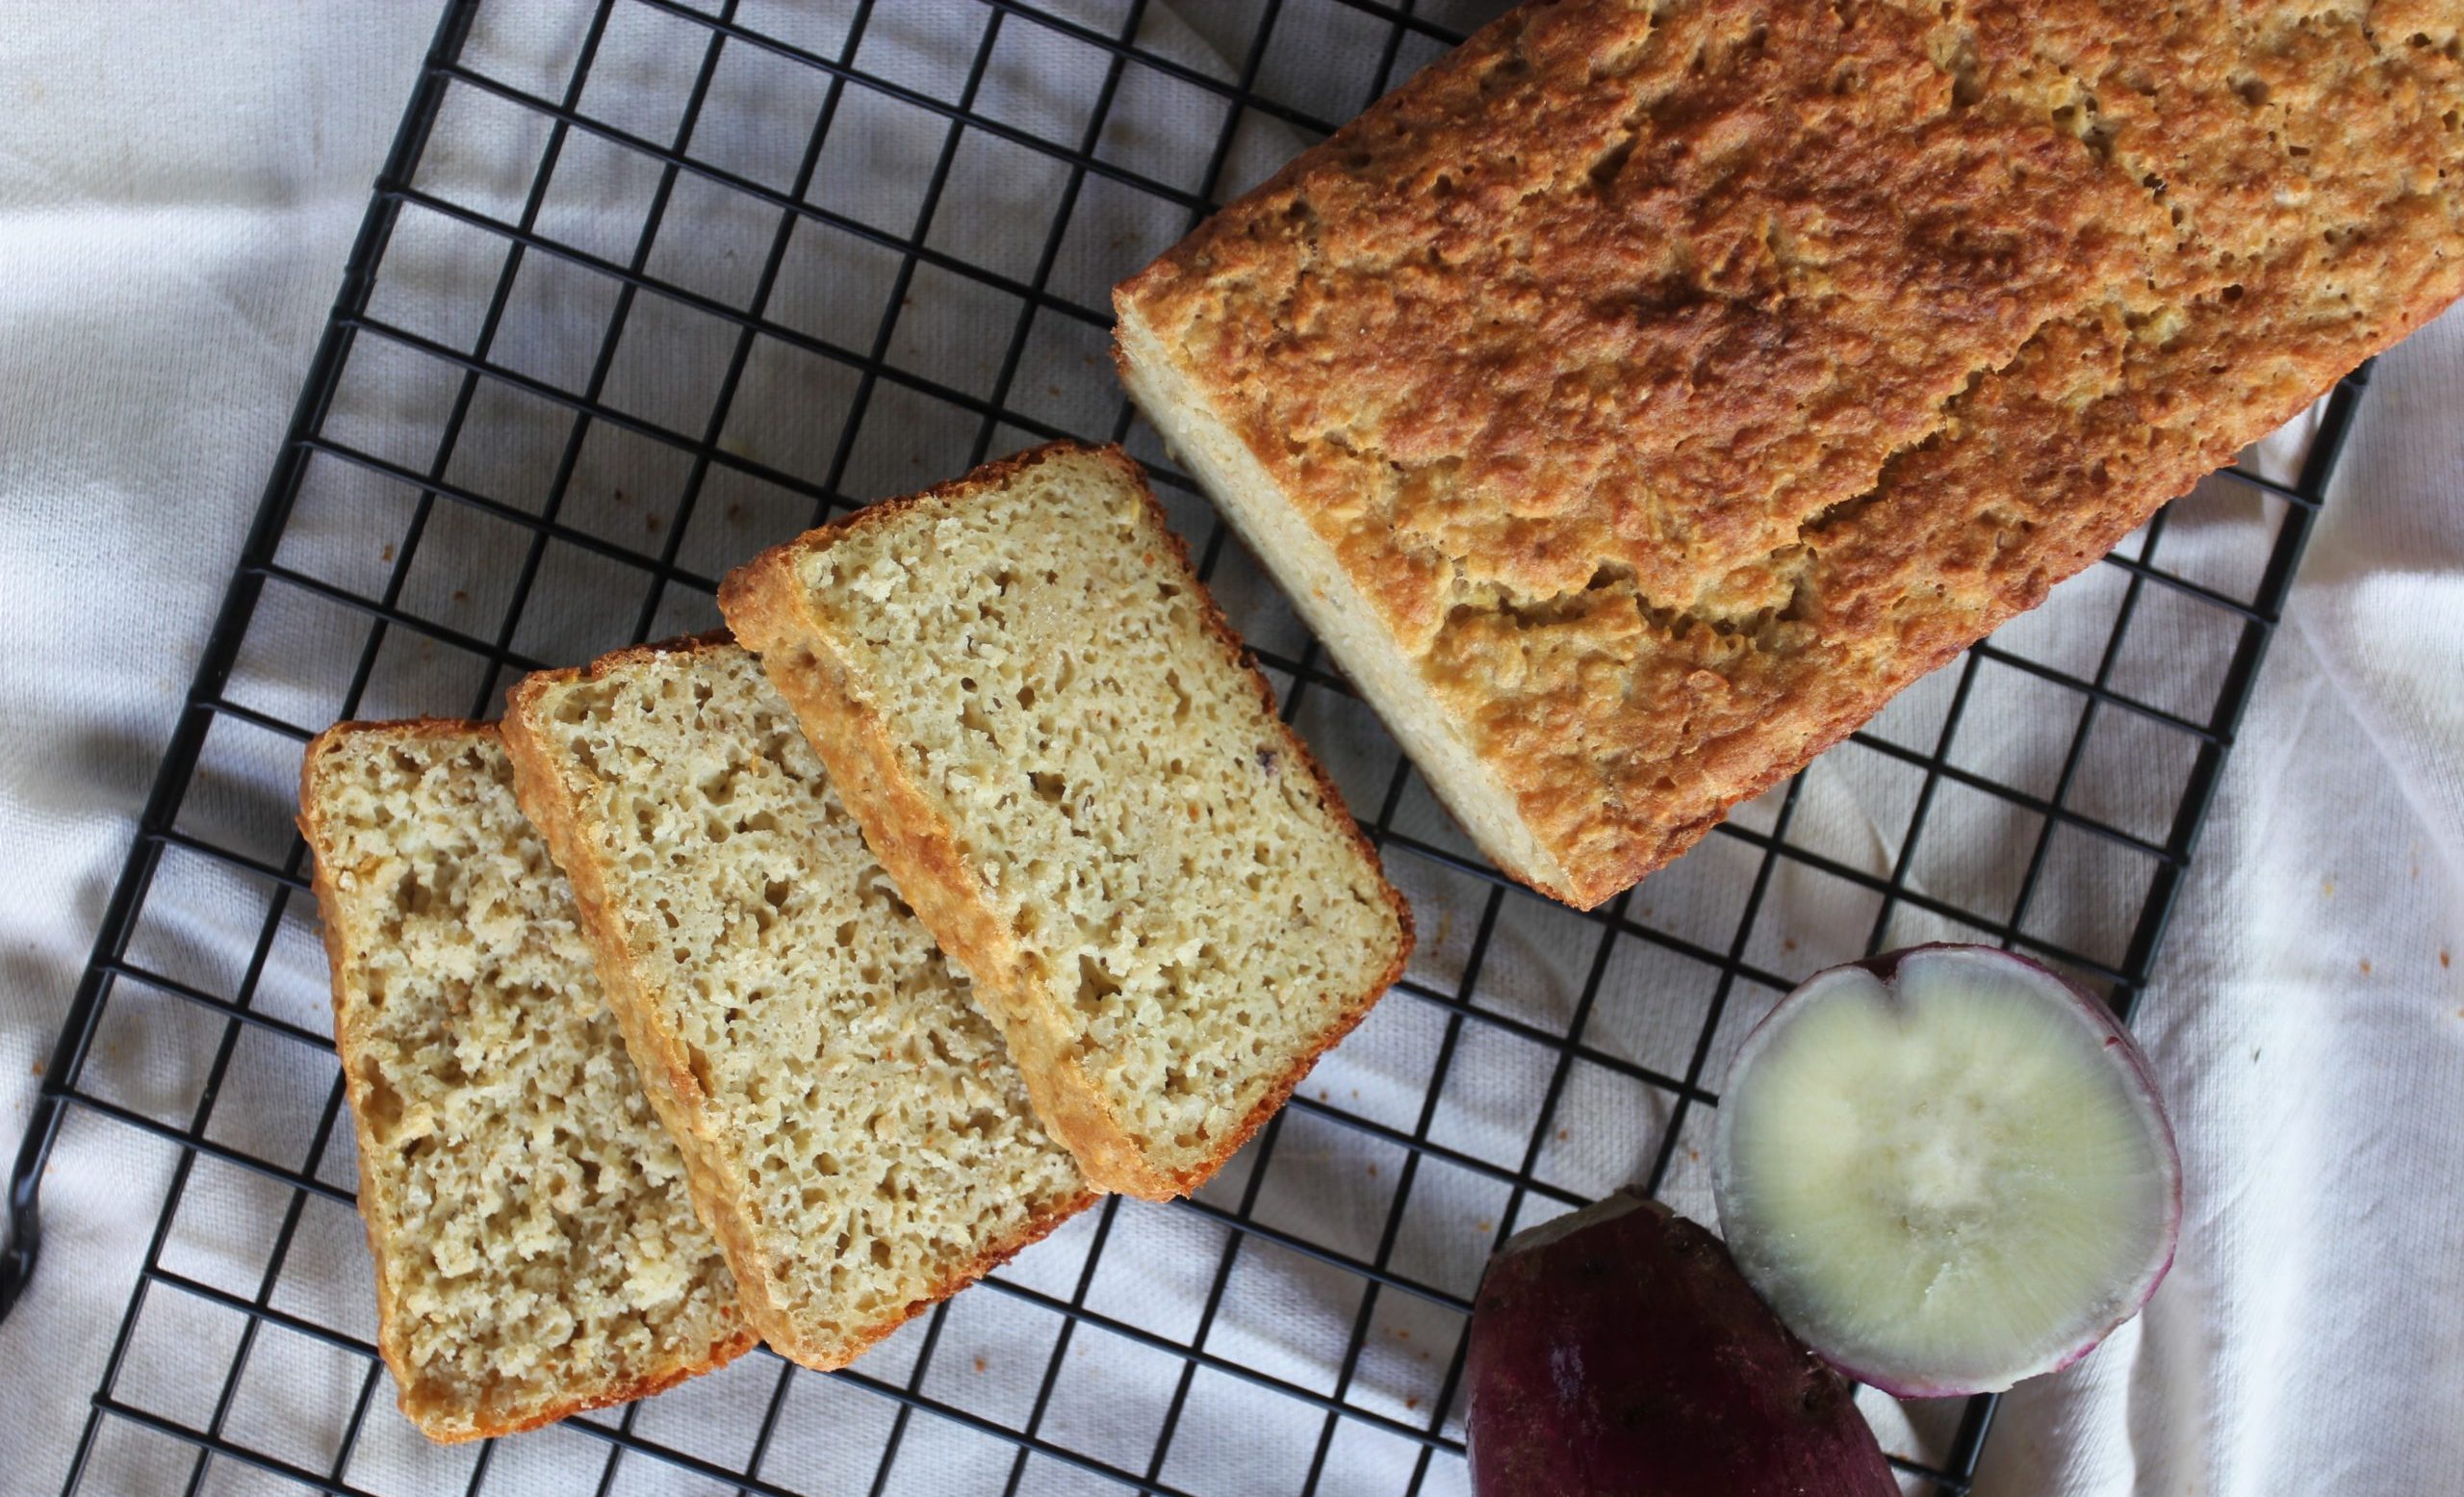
(178, 190)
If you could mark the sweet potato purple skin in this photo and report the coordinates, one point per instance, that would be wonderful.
(1618, 1351)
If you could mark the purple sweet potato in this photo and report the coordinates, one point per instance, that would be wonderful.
(1946, 1169)
(1618, 1351)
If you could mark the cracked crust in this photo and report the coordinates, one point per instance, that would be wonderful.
(1642, 395)
(771, 610)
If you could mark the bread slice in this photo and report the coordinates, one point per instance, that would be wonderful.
(855, 1134)
(536, 1249)
(1642, 395)
(1060, 752)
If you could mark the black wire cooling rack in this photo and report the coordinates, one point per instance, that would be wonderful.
(753, 265)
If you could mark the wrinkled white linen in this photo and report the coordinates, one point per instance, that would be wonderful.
(178, 190)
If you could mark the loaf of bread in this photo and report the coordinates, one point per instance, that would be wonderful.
(1639, 397)
(855, 1133)
(536, 1248)
(1080, 783)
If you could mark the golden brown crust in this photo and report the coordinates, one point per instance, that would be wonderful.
(766, 603)
(662, 1057)
(1617, 356)
(442, 1419)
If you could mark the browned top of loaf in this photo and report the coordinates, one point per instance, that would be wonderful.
(1680, 379)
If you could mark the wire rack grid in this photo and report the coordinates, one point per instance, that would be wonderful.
(643, 286)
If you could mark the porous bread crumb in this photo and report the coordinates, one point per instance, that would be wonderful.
(1082, 786)
(1641, 396)
(536, 1249)
(858, 1136)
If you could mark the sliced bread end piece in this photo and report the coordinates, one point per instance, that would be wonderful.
(857, 1135)
(482, 1064)
(1059, 749)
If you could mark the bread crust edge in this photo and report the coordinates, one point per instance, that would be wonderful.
(1288, 572)
(444, 1421)
(660, 1055)
(764, 602)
